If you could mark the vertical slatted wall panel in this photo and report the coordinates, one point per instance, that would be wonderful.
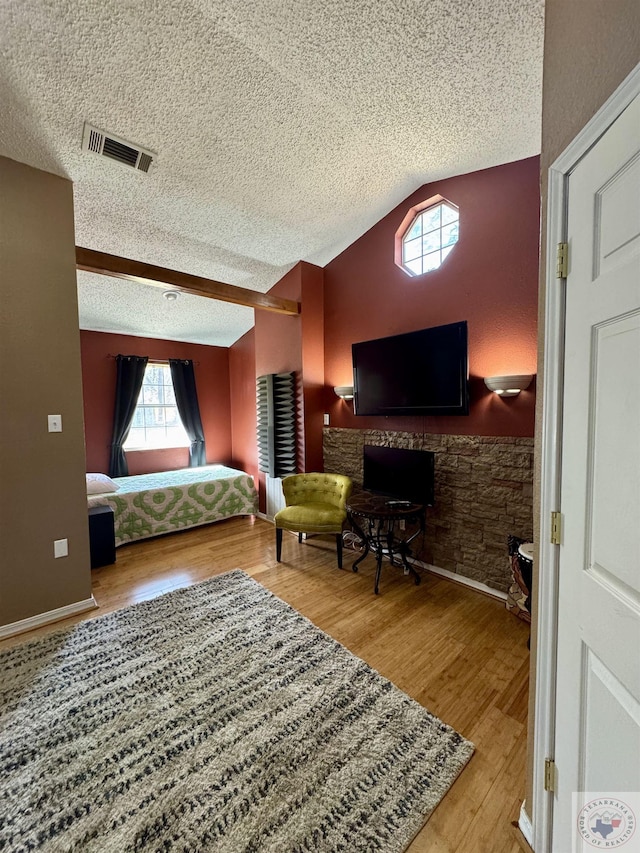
(276, 424)
(266, 462)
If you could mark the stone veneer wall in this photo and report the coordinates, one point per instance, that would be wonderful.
(483, 493)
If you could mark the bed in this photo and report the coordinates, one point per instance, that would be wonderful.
(151, 504)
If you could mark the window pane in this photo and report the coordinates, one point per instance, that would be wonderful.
(431, 242)
(135, 438)
(149, 395)
(415, 230)
(415, 266)
(440, 226)
(153, 374)
(431, 219)
(431, 262)
(449, 214)
(153, 416)
(156, 422)
(412, 249)
(450, 234)
(177, 436)
(446, 251)
(156, 437)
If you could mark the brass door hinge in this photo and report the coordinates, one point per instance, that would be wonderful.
(556, 528)
(549, 774)
(562, 260)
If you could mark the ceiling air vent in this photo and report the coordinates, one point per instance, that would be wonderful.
(107, 145)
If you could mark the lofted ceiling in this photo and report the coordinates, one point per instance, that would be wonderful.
(284, 129)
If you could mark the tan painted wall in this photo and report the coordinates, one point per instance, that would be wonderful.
(590, 47)
(42, 486)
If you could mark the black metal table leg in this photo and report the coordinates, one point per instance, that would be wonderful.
(408, 567)
(378, 570)
(365, 539)
(384, 519)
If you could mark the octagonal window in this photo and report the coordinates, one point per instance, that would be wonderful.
(427, 236)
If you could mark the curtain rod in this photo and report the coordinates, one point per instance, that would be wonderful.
(160, 360)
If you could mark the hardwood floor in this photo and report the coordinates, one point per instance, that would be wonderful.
(459, 653)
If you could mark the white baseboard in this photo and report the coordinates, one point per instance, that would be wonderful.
(47, 618)
(452, 576)
(525, 826)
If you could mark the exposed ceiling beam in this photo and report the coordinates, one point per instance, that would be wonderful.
(116, 267)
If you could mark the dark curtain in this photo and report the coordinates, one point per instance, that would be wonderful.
(128, 384)
(184, 385)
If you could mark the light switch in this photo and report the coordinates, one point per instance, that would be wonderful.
(55, 423)
(326, 419)
(60, 548)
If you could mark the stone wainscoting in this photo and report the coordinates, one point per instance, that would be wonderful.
(483, 493)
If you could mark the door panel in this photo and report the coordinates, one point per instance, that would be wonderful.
(609, 707)
(598, 677)
(617, 218)
(614, 449)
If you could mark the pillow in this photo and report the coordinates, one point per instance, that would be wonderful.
(98, 484)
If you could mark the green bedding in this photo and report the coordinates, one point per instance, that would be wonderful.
(150, 504)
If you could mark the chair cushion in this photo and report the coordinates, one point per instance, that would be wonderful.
(313, 517)
(317, 488)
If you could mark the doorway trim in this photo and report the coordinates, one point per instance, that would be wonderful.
(551, 447)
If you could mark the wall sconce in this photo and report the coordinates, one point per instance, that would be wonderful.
(345, 392)
(508, 386)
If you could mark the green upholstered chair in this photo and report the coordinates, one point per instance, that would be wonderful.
(315, 503)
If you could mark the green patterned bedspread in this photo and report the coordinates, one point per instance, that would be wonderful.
(151, 504)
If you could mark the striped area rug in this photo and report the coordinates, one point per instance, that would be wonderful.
(212, 718)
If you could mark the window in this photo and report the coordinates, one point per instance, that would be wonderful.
(156, 422)
(427, 235)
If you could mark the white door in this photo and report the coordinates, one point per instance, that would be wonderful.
(598, 677)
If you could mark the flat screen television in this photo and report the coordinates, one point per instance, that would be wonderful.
(416, 373)
(399, 473)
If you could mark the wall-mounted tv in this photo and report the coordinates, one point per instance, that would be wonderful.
(416, 373)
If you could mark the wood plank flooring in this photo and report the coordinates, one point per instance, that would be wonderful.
(459, 653)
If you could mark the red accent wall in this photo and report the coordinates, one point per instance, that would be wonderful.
(211, 366)
(287, 344)
(312, 317)
(242, 373)
(278, 339)
(490, 279)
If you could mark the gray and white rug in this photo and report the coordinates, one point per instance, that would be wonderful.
(213, 718)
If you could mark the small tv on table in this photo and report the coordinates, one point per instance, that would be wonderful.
(400, 474)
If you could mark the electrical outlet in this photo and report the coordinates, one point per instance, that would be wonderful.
(403, 524)
(325, 419)
(55, 423)
(60, 548)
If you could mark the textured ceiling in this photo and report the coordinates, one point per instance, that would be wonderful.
(284, 128)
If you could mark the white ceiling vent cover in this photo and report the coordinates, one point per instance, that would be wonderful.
(108, 145)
